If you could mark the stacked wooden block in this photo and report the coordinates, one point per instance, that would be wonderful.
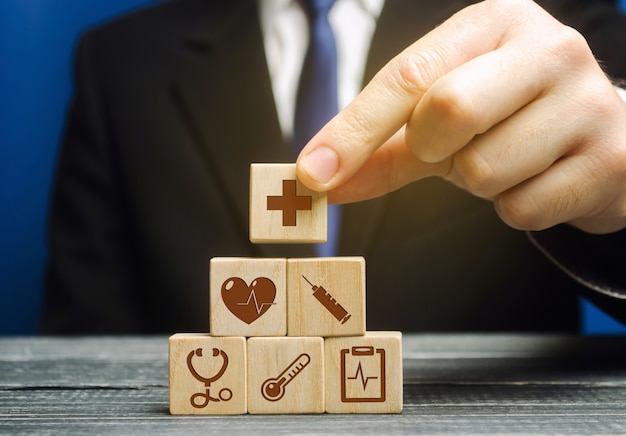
(286, 335)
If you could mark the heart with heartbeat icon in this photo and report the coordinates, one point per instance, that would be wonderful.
(248, 302)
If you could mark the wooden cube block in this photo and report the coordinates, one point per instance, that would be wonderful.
(207, 375)
(282, 209)
(364, 373)
(248, 297)
(286, 375)
(326, 296)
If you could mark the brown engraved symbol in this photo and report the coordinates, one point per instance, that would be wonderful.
(273, 389)
(248, 303)
(200, 400)
(329, 302)
(289, 202)
(363, 385)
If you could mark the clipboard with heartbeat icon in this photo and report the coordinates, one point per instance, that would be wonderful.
(363, 378)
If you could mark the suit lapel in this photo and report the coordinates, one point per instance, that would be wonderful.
(394, 31)
(224, 92)
(400, 24)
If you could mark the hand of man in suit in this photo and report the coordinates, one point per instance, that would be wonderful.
(502, 100)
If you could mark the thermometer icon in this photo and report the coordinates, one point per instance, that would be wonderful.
(273, 389)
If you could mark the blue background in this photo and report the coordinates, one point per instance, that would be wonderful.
(37, 39)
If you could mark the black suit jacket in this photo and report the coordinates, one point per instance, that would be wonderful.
(172, 105)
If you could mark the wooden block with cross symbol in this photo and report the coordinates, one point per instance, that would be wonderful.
(248, 296)
(364, 373)
(326, 296)
(285, 375)
(282, 209)
(207, 375)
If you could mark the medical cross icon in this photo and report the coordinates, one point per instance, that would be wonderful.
(282, 209)
(281, 341)
(289, 202)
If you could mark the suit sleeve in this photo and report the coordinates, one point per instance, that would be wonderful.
(595, 261)
(90, 273)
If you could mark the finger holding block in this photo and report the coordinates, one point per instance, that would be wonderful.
(282, 209)
(207, 375)
(364, 373)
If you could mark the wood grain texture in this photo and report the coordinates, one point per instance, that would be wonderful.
(326, 296)
(364, 373)
(285, 375)
(248, 297)
(453, 384)
(301, 223)
(207, 375)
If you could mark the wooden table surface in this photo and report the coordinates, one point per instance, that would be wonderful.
(453, 384)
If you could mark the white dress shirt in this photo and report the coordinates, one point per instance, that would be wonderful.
(286, 37)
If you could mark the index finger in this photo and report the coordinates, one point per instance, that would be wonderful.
(339, 149)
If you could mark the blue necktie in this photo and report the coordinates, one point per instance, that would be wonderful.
(316, 101)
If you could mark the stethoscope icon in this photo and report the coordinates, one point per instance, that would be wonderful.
(223, 395)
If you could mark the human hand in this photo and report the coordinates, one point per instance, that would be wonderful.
(501, 100)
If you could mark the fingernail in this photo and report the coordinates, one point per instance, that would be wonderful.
(321, 164)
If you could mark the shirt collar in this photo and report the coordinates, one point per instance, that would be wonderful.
(271, 8)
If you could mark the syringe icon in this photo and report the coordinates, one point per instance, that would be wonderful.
(329, 302)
